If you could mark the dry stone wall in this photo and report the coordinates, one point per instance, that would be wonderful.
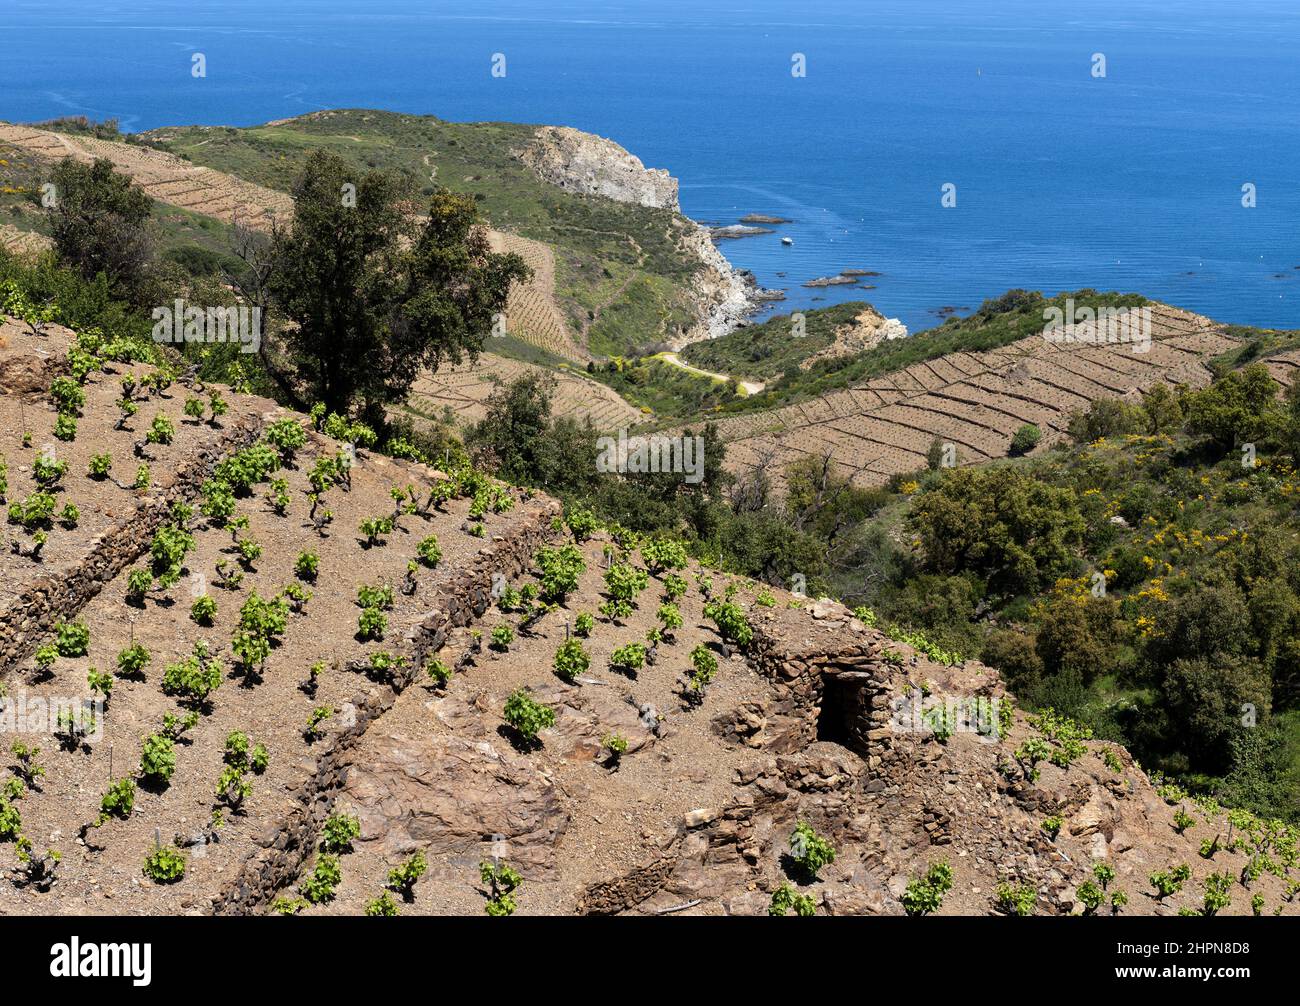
(29, 618)
(288, 843)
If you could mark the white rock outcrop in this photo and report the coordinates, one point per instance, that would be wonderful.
(590, 164)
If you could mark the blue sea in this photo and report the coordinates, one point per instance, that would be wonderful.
(1063, 179)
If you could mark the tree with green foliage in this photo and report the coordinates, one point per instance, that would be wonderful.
(373, 300)
(1240, 407)
(99, 223)
(1000, 523)
(1025, 439)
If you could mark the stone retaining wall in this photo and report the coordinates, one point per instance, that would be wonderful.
(31, 617)
(287, 844)
(831, 678)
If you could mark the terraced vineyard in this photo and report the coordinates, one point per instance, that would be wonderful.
(274, 672)
(446, 772)
(22, 242)
(131, 570)
(975, 401)
(1284, 367)
(464, 389)
(532, 314)
(165, 177)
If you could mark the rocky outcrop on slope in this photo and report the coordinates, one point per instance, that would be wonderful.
(444, 794)
(902, 763)
(726, 295)
(592, 165)
(868, 329)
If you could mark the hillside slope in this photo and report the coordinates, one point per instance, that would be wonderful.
(883, 425)
(629, 270)
(818, 718)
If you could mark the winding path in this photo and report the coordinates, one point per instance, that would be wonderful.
(751, 387)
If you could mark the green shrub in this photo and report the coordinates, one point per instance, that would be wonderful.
(132, 661)
(439, 673)
(306, 566)
(401, 879)
(925, 894)
(375, 530)
(784, 898)
(118, 801)
(246, 468)
(68, 395)
(1167, 882)
(193, 679)
(161, 431)
(502, 637)
(1091, 896)
(203, 610)
(1015, 900)
(338, 832)
(630, 657)
(561, 568)
(1025, 439)
(372, 624)
(501, 882)
(318, 716)
(48, 471)
(809, 851)
(571, 660)
(100, 683)
(65, 428)
(733, 625)
(674, 587)
(286, 436)
(381, 906)
(670, 617)
(37, 510)
(11, 822)
(157, 759)
(624, 581)
(582, 523)
(325, 877)
(72, 639)
(429, 551)
(165, 865)
(662, 554)
(218, 503)
(526, 716)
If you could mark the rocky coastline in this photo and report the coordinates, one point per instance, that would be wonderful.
(594, 165)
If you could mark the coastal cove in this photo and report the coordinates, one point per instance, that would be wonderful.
(1047, 160)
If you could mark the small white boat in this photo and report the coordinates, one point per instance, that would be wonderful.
(787, 241)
